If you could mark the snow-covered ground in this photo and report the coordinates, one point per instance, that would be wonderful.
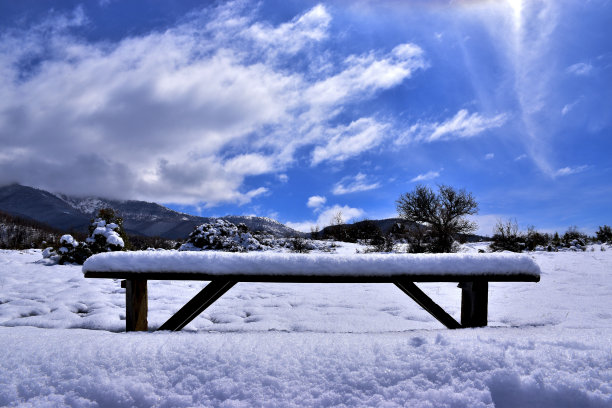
(548, 344)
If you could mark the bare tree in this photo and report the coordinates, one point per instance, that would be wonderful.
(337, 218)
(442, 212)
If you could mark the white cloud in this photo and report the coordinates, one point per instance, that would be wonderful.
(283, 178)
(489, 156)
(325, 217)
(568, 107)
(430, 175)
(316, 201)
(182, 115)
(566, 171)
(366, 74)
(520, 157)
(355, 184)
(462, 125)
(293, 36)
(348, 141)
(580, 69)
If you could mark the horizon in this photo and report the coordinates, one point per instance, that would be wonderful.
(297, 110)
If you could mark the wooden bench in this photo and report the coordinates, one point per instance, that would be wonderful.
(473, 272)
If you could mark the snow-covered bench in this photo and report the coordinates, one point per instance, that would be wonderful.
(473, 272)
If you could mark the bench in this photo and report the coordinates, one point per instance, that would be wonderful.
(223, 270)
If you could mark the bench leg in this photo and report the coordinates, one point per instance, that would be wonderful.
(206, 297)
(474, 303)
(426, 303)
(136, 305)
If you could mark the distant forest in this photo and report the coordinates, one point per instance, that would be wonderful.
(24, 233)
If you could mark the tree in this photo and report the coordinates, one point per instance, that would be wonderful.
(337, 218)
(604, 234)
(506, 237)
(442, 212)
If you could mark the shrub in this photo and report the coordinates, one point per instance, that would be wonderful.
(105, 234)
(382, 243)
(534, 239)
(70, 251)
(573, 237)
(221, 235)
(443, 213)
(604, 234)
(300, 245)
(506, 237)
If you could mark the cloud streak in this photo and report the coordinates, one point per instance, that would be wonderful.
(461, 126)
(430, 175)
(353, 185)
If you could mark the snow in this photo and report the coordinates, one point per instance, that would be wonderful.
(319, 345)
(68, 239)
(274, 263)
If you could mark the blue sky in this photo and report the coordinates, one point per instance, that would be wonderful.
(296, 110)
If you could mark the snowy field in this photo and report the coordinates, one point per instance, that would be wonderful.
(548, 344)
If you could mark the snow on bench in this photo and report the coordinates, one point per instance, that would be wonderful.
(195, 265)
(224, 270)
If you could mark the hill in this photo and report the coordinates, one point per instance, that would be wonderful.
(67, 213)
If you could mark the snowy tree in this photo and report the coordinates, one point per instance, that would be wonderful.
(106, 234)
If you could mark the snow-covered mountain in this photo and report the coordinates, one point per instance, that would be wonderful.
(139, 217)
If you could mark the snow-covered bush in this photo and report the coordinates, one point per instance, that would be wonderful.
(301, 245)
(70, 251)
(105, 234)
(222, 235)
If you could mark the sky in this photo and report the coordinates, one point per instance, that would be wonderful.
(299, 110)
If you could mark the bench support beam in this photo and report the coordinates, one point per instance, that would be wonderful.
(474, 303)
(426, 303)
(206, 297)
(136, 305)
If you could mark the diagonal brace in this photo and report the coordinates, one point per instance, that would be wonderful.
(206, 297)
(426, 303)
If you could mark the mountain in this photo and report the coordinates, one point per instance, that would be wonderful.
(139, 217)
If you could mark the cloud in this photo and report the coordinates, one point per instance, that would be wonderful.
(580, 69)
(566, 171)
(293, 36)
(520, 157)
(489, 156)
(316, 201)
(430, 175)
(366, 74)
(461, 126)
(186, 114)
(355, 184)
(283, 178)
(325, 218)
(348, 141)
(568, 107)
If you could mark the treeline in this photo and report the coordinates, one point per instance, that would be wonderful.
(507, 237)
(24, 233)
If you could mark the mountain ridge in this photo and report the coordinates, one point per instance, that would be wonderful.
(67, 213)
